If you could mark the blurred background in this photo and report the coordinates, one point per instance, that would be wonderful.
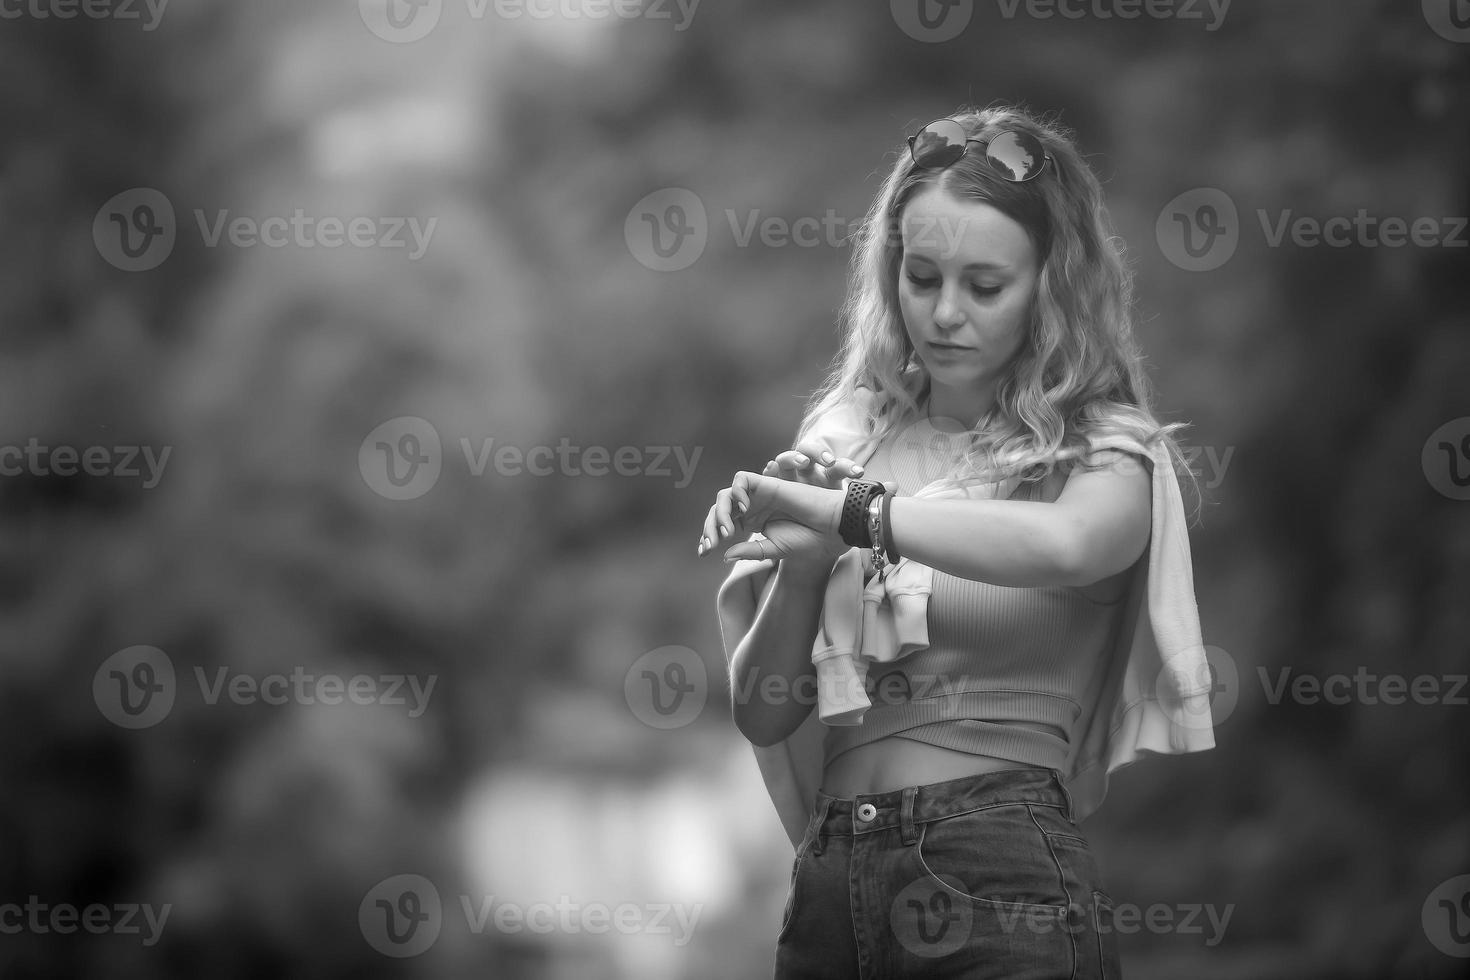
(368, 369)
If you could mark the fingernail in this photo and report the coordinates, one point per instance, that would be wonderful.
(857, 469)
(801, 460)
(828, 458)
(739, 507)
(724, 530)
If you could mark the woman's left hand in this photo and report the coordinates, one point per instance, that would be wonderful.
(752, 501)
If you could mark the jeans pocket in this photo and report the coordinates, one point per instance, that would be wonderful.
(1054, 822)
(803, 848)
(995, 856)
(790, 901)
(1108, 965)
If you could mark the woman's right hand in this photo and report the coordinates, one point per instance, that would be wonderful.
(813, 464)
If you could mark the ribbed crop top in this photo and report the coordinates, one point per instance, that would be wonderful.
(1005, 669)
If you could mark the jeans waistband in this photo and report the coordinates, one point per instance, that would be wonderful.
(869, 812)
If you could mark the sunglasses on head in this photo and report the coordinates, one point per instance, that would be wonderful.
(1015, 156)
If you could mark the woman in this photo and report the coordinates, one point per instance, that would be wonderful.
(950, 558)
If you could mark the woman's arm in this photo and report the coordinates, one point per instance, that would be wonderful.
(779, 644)
(1097, 527)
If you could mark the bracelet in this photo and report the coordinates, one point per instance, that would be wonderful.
(875, 530)
(890, 550)
(851, 527)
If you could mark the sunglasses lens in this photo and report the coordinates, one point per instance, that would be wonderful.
(1018, 156)
(939, 144)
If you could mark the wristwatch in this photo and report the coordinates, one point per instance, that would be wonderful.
(853, 526)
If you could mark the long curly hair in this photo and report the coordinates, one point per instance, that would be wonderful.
(1079, 371)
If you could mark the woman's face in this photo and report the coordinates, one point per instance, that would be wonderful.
(965, 286)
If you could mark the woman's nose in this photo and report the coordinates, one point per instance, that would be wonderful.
(947, 312)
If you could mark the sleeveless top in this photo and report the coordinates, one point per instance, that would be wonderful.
(1006, 669)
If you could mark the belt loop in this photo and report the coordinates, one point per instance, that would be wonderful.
(906, 815)
(1066, 796)
(819, 819)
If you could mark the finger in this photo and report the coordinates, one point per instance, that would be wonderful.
(793, 462)
(817, 451)
(847, 467)
(707, 532)
(741, 488)
(724, 520)
(752, 550)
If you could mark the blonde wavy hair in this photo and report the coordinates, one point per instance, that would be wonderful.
(1078, 373)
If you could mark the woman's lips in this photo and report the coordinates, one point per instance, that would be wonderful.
(948, 349)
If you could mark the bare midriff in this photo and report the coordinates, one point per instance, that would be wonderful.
(889, 764)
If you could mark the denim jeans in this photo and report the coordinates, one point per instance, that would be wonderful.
(983, 876)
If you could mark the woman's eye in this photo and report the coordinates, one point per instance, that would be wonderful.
(985, 290)
(921, 282)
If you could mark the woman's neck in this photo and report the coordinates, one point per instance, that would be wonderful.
(968, 408)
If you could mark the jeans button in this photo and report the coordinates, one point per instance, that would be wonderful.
(867, 812)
